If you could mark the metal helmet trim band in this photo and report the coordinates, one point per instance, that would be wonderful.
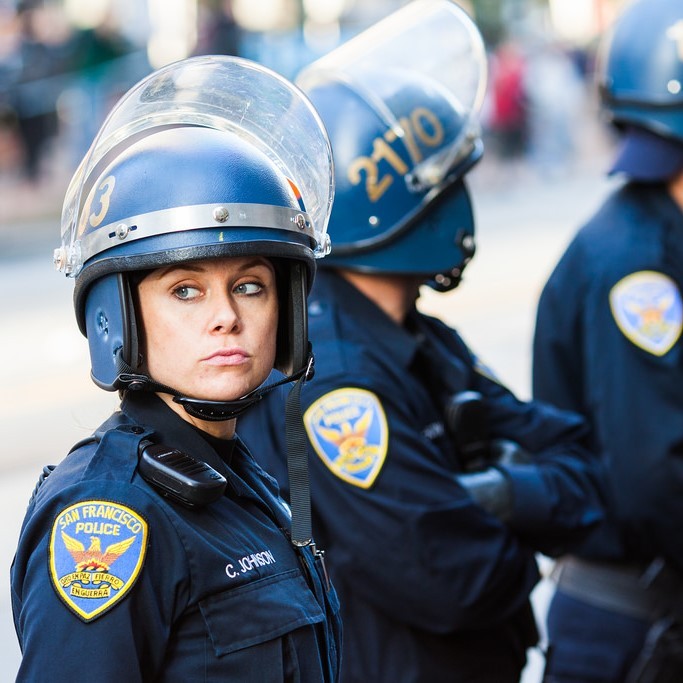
(201, 216)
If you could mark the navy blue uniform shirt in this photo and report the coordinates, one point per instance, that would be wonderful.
(113, 582)
(608, 344)
(432, 587)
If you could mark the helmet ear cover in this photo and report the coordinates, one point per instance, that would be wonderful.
(112, 330)
(437, 242)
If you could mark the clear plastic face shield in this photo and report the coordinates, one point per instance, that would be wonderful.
(436, 41)
(221, 93)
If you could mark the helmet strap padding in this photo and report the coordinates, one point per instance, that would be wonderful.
(292, 334)
(130, 352)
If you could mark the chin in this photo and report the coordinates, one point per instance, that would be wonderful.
(226, 395)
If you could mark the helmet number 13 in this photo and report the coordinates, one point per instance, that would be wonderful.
(103, 196)
(422, 126)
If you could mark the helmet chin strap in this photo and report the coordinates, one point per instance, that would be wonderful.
(211, 411)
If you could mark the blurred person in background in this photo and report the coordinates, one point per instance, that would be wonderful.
(9, 68)
(554, 94)
(508, 120)
(102, 64)
(218, 33)
(433, 485)
(608, 345)
(158, 549)
(40, 56)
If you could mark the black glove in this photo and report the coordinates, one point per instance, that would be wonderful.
(466, 417)
(491, 489)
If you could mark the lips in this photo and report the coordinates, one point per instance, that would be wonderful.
(226, 357)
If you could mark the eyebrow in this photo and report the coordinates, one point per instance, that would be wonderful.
(197, 267)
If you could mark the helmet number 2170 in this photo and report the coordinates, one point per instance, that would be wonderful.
(422, 126)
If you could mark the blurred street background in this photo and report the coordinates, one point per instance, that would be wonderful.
(63, 63)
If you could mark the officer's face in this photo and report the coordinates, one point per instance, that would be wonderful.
(209, 327)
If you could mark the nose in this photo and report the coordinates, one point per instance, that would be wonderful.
(224, 315)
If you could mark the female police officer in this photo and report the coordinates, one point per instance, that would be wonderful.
(158, 549)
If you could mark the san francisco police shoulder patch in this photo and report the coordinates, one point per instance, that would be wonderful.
(647, 309)
(97, 549)
(348, 430)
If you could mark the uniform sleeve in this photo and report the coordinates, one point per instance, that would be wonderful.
(559, 497)
(126, 641)
(413, 543)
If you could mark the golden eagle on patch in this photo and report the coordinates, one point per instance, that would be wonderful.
(93, 559)
(348, 430)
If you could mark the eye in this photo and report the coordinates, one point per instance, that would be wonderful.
(186, 293)
(249, 288)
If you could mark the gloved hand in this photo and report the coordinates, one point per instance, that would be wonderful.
(491, 489)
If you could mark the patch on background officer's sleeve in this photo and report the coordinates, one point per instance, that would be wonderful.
(348, 430)
(647, 308)
(97, 549)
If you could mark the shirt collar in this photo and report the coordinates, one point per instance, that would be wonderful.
(367, 318)
(170, 429)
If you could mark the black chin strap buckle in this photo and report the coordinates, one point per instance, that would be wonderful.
(217, 411)
(133, 382)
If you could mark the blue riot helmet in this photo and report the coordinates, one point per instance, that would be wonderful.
(207, 157)
(400, 104)
(640, 68)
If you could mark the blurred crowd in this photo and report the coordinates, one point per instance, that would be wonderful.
(58, 81)
(540, 99)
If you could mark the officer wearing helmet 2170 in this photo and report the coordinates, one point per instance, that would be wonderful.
(432, 484)
(158, 549)
(609, 344)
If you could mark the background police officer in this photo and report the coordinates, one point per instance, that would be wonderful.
(608, 344)
(432, 484)
(158, 549)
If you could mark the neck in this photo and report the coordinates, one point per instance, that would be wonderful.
(394, 294)
(676, 189)
(221, 430)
